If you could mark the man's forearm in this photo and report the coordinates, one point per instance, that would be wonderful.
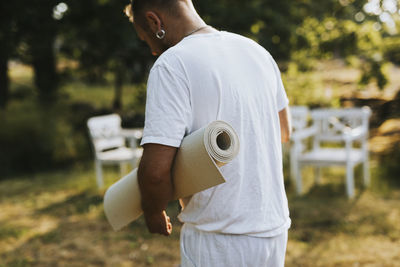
(154, 178)
(156, 190)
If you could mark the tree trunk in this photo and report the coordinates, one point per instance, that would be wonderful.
(6, 43)
(4, 81)
(118, 84)
(44, 64)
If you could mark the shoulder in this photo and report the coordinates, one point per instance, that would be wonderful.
(168, 61)
(244, 40)
(168, 70)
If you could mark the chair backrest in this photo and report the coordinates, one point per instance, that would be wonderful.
(299, 116)
(105, 132)
(332, 123)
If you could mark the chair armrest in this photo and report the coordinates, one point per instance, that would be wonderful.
(304, 133)
(355, 134)
(135, 133)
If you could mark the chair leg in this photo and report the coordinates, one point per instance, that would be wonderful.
(99, 174)
(366, 163)
(292, 161)
(299, 184)
(317, 172)
(123, 169)
(350, 180)
(367, 178)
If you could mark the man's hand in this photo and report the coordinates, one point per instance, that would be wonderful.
(159, 223)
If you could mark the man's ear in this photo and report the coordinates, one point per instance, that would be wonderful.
(154, 22)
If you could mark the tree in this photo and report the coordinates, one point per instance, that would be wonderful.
(266, 21)
(39, 29)
(4, 80)
(106, 44)
(342, 29)
(7, 42)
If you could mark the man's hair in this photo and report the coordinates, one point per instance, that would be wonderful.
(137, 7)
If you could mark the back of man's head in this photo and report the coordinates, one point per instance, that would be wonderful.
(137, 9)
(164, 23)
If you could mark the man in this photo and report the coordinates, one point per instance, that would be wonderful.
(203, 75)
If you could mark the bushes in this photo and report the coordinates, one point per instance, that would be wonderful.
(34, 138)
(308, 88)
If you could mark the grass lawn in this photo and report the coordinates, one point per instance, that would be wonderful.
(57, 219)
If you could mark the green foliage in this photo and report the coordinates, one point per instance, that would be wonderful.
(306, 88)
(106, 43)
(342, 29)
(96, 34)
(372, 69)
(392, 50)
(102, 46)
(390, 167)
(332, 38)
(268, 22)
(34, 138)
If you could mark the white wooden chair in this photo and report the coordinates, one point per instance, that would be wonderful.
(299, 120)
(340, 126)
(109, 144)
(133, 135)
(300, 116)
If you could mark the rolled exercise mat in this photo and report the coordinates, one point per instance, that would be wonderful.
(195, 169)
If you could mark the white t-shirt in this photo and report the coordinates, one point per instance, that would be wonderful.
(224, 76)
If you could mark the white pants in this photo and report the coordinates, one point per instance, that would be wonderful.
(203, 249)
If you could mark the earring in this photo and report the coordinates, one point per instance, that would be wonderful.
(160, 34)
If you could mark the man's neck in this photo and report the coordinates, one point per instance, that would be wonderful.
(190, 29)
(187, 24)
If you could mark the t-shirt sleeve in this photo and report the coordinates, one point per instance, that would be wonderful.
(168, 110)
(281, 98)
